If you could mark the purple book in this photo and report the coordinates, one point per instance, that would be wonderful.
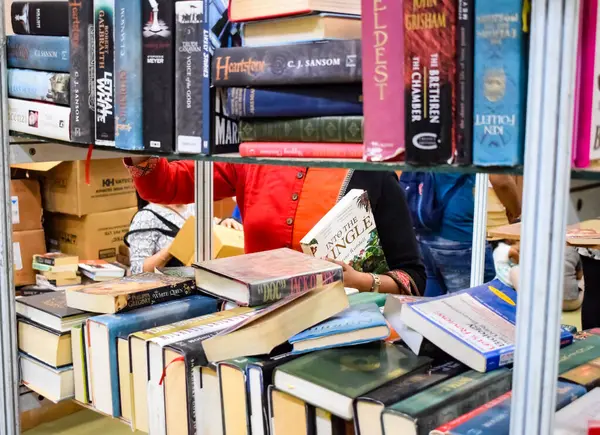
(383, 78)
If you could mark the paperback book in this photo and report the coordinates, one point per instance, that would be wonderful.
(44, 53)
(39, 85)
(39, 119)
(104, 31)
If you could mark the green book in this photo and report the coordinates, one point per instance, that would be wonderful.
(579, 353)
(367, 298)
(331, 379)
(446, 401)
(586, 375)
(342, 129)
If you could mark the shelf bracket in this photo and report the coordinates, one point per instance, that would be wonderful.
(204, 210)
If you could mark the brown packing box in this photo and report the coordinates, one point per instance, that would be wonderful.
(584, 234)
(224, 208)
(26, 205)
(65, 191)
(92, 237)
(26, 244)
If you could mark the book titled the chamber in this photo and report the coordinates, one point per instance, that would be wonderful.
(49, 18)
(39, 85)
(45, 53)
(104, 29)
(40, 119)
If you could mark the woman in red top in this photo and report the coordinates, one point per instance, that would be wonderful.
(279, 205)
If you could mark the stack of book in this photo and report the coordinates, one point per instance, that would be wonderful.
(56, 271)
(100, 270)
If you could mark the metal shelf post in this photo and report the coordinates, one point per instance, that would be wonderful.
(204, 210)
(479, 230)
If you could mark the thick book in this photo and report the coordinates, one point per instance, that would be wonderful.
(348, 233)
(424, 411)
(476, 326)
(465, 48)
(358, 324)
(500, 85)
(248, 10)
(103, 332)
(52, 383)
(128, 75)
(337, 129)
(309, 63)
(576, 417)
(234, 395)
(104, 33)
(383, 78)
(345, 374)
(48, 18)
(80, 369)
(44, 53)
(494, 416)
(83, 70)
(129, 293)
(47, 345)
(264, 277)
(39, 85)
(302, 150)
(368, 408)
(39, 119)
(586, 375)
(158, 75)
(289, 414)
(579, 353)
(296, 101)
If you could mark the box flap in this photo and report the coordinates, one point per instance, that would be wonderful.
(184, 245)
(39, 167)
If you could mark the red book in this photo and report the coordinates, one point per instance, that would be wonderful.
(301, 149)
(250, 10)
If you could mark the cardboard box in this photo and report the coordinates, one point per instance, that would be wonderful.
(65, 190)
(26, 244)
(26, 205)
(96, 236)
(223, 209)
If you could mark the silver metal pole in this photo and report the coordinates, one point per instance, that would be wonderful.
(479, 230)
(547, 166)
(9, 368)
(204, 210)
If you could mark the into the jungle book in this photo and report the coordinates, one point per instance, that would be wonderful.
(348, 233)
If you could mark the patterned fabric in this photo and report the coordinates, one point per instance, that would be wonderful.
(404, 281)
(143, 168)
(590, 253)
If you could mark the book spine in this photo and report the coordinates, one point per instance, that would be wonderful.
(83, 70)
(158, 295)
(337, 129)
(224, 135)
(45, 53)
(294, 102)
(429, 74)
(500, 84)
(39, 85)
(39, 119)
(104, 21)
(158, 75)
(584, 82)
(448, 427)
(191, 71)
(128, 79)
(465, 34)
(309, 150)
(49, 18)
(382, 79)
(335, 61)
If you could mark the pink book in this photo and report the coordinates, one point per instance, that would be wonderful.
(301, 149)
(383, 79)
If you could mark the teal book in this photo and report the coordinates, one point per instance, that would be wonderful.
(356, 325)
(579, 353)
(367, 297)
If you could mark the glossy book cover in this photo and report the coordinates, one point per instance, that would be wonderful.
(39, 85)
(45, 53)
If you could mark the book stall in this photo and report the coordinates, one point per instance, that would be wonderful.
(260, 217)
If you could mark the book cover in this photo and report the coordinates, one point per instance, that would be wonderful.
(39, 85)
(53, 303)
(158, 75)
(586, 375)
(181, 272)
(500, 84)
(429, 80)
(45, 53)
(348, 233)
(465, 48)
(367, 298)
(39, 119)
(123, 324)
(579, 353)
(128, 75)
(83, 70)
(104, 33)
(302, 149)
(336, 129)
(383, 76)
(56, 259)
(49, 18)
(335, 61)
(296, 101)
(577, 416)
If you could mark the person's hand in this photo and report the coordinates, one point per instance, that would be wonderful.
(355, 279)
(232, 223)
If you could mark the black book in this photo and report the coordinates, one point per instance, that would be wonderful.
(104, 28)
(51, 310)
(40, 18)
(225, 136)
(464, 82)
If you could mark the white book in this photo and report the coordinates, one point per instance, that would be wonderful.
(52, 383)
(574, 418)
(391, 312)
(40, 119)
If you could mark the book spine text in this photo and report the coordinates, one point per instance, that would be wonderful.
(44, 53)
(39, 86)
(464, 82)
(39, 119)
(49, 18)
(104, 21)
(310, 150)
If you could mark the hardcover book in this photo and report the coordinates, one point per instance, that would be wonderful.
(297, 101)
(247, 10)
(348, 233)
(39, 119)
(429, 80)
(130, 292)
(310, 63)
(586, 375)
(52, 383)
(302, 149)
(45, 53)
(289, 414)
(128, 75)
(500, 83)
(465, 47)
(80, 364)
(577, 416)
(39, 85)
(45, 344)
(383, 77)
(83, 70)
(579, 353)
(49, 18)
(104, 30)
(234, 396)
(264, 277)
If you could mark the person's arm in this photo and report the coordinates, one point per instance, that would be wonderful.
(160, 259)
(143, 255)
(507, 191)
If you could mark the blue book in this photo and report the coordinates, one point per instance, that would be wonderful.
(476, 326)
(500, 83)
(493, 418)
(103, 331)
(128, 75)
(29, 84)
(45, 53)
(295, 101)
(361, 323)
